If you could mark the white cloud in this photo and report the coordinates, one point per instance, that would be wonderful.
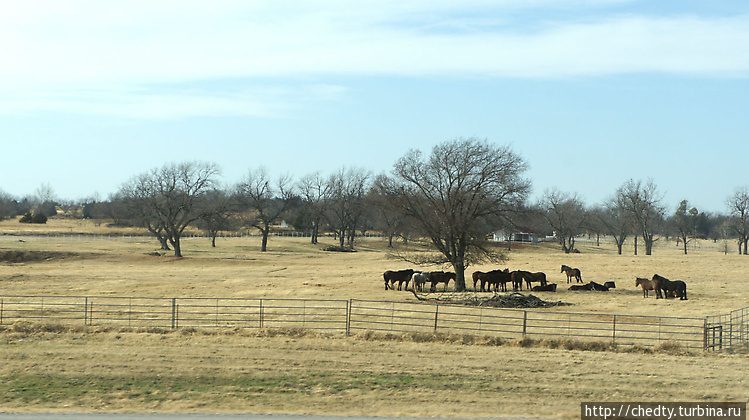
(50, 48)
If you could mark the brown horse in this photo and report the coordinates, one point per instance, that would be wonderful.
(440, 277)
(531, 277)
(645, 284)
(517, 279)
(572, 272)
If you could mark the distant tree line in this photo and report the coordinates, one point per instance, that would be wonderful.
(454, 197)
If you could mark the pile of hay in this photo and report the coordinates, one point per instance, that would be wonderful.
(509, 300)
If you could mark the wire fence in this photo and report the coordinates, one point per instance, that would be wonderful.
(350, 316)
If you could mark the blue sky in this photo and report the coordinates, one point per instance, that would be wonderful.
(590, 92)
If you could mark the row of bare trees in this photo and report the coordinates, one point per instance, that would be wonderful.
(636, 211)
(451, 197)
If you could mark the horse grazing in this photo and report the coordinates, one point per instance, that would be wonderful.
(531, 277)
(572, 272)
(400, 276)
(663, 286)
(440, 277)
(645, 284)
(496, 278)
(419, 279)
(550, 287)
(517, 279)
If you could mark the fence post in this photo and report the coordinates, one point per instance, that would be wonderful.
(91, 313)
(1, 312)
(613, 334)
(174, 313)
(704, 335)
(525, 322)
(261, 314)
(85, 311)
(436, 313)
(348, 317)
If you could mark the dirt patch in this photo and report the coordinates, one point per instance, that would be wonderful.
(34, 256)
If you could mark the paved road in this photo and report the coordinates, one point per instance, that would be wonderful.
(197, 416)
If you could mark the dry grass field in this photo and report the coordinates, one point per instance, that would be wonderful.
(64, 369)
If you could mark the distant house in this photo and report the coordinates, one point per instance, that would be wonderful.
(502, 236)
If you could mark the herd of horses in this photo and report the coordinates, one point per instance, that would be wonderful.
(487, 281)
(497, 280)
(663, 287)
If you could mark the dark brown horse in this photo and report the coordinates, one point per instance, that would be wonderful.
(400, 276)
(517, 279)
(550, 287)
(496, 278)
(572, 272)
(645, 284)
(664, 288)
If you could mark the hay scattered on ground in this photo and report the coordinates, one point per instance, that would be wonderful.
(498, 300)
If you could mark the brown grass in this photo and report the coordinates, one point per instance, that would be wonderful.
(55, 368)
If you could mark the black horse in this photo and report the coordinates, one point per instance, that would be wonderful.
(664, 286)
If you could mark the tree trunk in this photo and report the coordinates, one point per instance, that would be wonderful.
(460, 276)
(648, 245)
(264, 244)
(177, 247)
(635, 244)
(213, 241)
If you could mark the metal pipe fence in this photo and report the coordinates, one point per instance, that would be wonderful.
(517, 323)
(728, 331)
(347, 316)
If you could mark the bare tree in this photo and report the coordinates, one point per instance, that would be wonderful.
(566, 215)
(216, 212)
(267, 201)
(167, 199)
(615, 222)
(316, 195)
(684, 223)
(738, 205)
(348, 188)
(457, 195)
(642, 202)
(391, 223)
(8, 205)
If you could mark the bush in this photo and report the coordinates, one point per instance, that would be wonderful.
(38, 217)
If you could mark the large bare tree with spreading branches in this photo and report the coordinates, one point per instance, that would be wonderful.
(642, 203)
(268, 201)
(566, 215)
(168, 199)
(456, 195)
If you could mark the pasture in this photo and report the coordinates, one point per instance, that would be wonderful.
(294, 372)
